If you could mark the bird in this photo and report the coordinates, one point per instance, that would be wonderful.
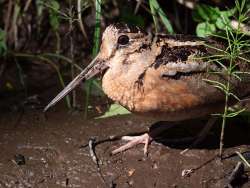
(160, 76)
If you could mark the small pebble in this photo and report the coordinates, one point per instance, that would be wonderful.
(19, 159)
(155, 166)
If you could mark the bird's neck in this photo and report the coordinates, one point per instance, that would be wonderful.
(120, 87)
(119, 82)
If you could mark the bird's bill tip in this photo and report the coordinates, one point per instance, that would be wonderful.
(90, 71)
(66, 90)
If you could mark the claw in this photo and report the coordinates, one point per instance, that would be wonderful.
(133, 141)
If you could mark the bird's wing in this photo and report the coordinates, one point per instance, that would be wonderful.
(183, 55)
(190, 61)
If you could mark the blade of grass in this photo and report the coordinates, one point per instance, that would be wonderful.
(50, 62)
(79, 13)
(97, 27)
(153, 13)
(243, 159)
(156, 9)
(97, 33)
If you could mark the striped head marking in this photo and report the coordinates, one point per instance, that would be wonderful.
(120, 38)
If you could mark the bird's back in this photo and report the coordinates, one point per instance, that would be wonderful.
(172, 79)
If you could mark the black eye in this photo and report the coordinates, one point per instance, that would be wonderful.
(123, 40)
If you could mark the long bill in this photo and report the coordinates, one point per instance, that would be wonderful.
(95, 67)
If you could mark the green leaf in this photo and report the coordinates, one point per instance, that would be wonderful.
(154, 14)
(55, 5)
(213, 13)
(3, 46)
(39, 7)
(205, 29)
(54, 16)
(54, 22)
(114, 110)
(228, 13)
(2, 35)
(206, 13)
(166, 22)
(199, 15)
(222, 23)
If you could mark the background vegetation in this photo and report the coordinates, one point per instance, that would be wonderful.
(44, 44)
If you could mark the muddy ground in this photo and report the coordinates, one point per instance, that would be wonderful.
(55, 156)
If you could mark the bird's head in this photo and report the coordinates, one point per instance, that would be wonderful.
(118, 41)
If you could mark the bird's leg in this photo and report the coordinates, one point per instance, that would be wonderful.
(133, 141)
(202, 134)
(145, 138)
(156, 130)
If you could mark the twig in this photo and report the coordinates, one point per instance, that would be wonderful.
(7, 18)
(243, 159)
(92, 152)
(236, 174)
(14, 28)
(109, 139)
(92, 144)
(27, 5)
(79, 13)
(72, 52)
(201, 136)
(188, 172)
(137, 6)
(187, 4)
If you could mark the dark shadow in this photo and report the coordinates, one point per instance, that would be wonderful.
(182, 134)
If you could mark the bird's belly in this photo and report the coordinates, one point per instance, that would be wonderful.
(152, 96)
(163, 102)
(166, 97)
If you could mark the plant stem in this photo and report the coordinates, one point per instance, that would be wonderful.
(79, 14)
(97, 33)
(50, 62)
(224, 118)
(72, 51)
(227, 93)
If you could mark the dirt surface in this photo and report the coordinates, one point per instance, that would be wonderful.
(54, 157)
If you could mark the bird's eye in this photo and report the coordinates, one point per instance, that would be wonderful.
(123, 40)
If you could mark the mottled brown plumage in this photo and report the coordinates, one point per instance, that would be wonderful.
(159, 76)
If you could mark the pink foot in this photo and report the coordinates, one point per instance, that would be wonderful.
(133, 141)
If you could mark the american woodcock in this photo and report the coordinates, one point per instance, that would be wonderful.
(159, 76)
